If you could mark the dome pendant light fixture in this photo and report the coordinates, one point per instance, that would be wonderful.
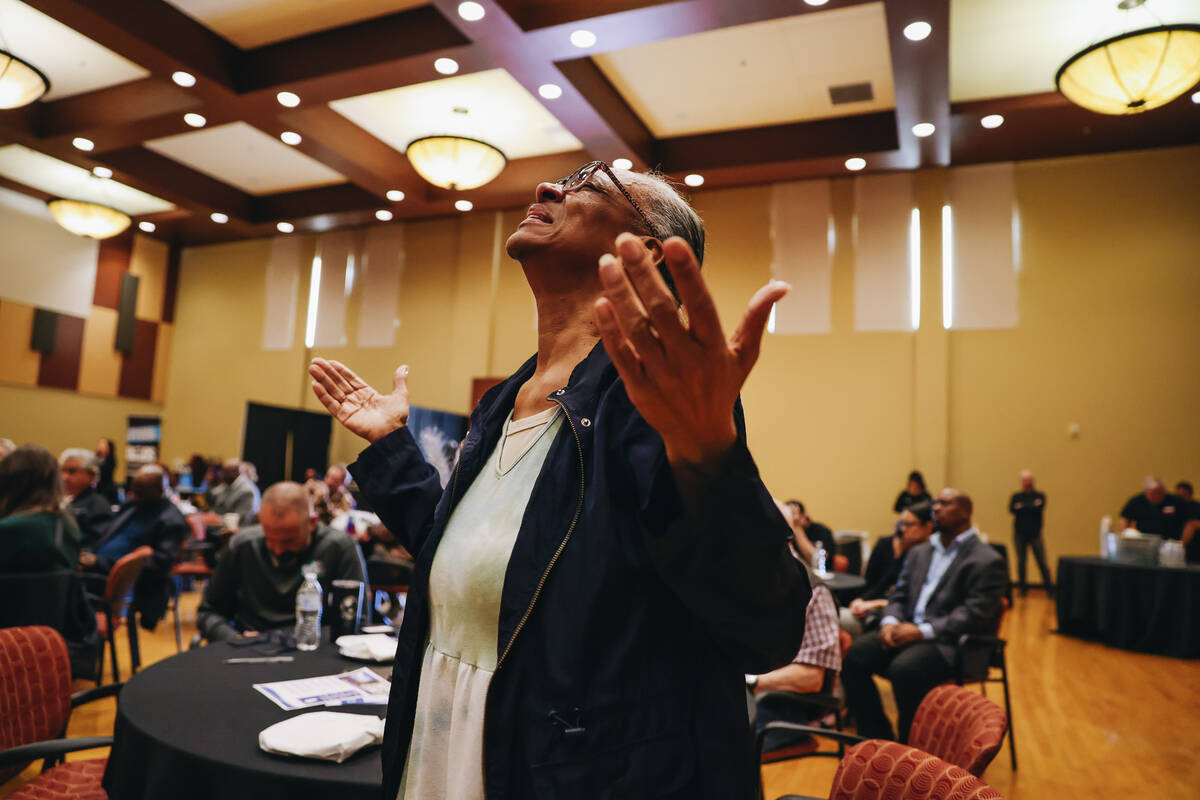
(455, 162)
(1135, 71)
(20, 82)
(85, 218)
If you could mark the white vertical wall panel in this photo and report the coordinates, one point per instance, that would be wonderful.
(334, 250)
(882, 283)
(801, 255)
(381, 268)
(984, 270)
(41, 264)
(283, 286)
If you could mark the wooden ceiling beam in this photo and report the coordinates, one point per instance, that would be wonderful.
(179, 184)
(921, 75)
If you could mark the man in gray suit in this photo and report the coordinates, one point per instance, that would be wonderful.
(949, 586)
(235, 494)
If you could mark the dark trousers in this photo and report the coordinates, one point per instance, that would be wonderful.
(914, 670)
(1023, 541)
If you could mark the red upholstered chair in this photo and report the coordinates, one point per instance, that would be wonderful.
(879, 770)
(193, 564)
(840, 563)
(35, 705)
(959, 726)
(113, 607)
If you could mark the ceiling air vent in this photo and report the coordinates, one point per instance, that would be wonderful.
(851, 93)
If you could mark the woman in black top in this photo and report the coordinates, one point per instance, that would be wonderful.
(913, 494)
(884, 565)
(108, 465)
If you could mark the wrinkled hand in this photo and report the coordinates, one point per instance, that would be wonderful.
(900, 635)
(858, 607)
(682, 374)
(361, 409)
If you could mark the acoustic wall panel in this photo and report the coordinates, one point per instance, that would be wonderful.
(172, 286)
(882, 270)
(334, 249)
(983, 269)
(148, 262)
(51, 268)
(112, 261)
(60, 368)
(380, 272)
(802, 256)
(18, 363)
(162, 352)
(282, 293)
(126, 313)
(100, 370)
(45, 325)
(137, 368)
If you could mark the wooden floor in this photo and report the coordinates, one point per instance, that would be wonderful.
(1091, 722)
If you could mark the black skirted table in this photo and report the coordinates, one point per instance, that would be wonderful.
(845, 586)
(1131, 606)
(187, 729)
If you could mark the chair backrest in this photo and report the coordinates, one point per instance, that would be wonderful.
(121, 578)
(384, 573)
(959, 726)
(198, 527)
(856, 546)
(879, 770)
(35, 688)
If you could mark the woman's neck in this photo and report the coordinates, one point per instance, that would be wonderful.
(566, 334)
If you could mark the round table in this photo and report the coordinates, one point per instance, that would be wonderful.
(845, 586)
(187, 729)
(1131, 606)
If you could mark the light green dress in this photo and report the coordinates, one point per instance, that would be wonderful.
(445, 758)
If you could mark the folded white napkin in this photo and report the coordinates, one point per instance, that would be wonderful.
(370, 646)
(328, 735)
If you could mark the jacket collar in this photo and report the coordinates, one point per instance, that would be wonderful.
(580, 396)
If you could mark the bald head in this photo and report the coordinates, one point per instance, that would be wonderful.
(230, 469)
(1154, 489)
(287, 520)
(1027, 480)
(147, 484)
(952, 511)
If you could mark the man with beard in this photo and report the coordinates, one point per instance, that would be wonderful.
(253, 588)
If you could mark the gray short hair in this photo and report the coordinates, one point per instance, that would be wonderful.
(671, 215)
(6, 447)
(288, 494)
(85, 457)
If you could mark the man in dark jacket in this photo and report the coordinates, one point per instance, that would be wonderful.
(949, 586)
(148, 519)
(648, 571)
(1028, 508)
(92, 512)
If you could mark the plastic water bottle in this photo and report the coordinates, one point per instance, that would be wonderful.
(818, 559)
(308, 612)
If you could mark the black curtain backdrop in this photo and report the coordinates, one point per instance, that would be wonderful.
(265, 442)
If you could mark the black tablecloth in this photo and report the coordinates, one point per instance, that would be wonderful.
(187, 729)
(845, 587)
(1134, 607)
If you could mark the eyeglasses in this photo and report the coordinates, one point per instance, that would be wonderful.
(584, 174)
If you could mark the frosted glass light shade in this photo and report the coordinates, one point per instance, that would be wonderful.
(83, 218)
(455, 162)
(20, 82)
(1133, 72)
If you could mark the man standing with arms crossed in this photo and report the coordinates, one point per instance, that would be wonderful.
(1027, 506)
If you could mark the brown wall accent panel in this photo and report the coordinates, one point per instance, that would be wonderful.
(172, 287)
(18, 364)
(60, 369)
(111, 264)
(137, 370)
(126, 310)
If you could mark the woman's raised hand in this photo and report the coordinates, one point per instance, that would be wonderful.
(360, 408)
(682, 374)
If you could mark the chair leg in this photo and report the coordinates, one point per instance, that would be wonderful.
(112, 646)
(135, 654)
(175, 610)
(1012, 739)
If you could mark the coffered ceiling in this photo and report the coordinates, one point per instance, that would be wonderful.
(739, 91)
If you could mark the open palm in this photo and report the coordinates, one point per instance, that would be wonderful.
(361, 409)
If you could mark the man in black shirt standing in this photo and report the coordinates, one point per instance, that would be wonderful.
(1155, 511)
(1027, 507)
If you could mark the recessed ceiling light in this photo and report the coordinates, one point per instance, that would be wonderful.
(923, 129)
(147, 226)
(816, 2)
(289, 99)
(195, 120)
(218, 217)
(284, 227)
(622, 163)
(992, 121)
(916, 31)
(855, 164)
(184, 79)
(290, 137)
(1196, 97)
(694, 180)
(102, 172)
(550, 91)
(383, 215)
(463, 205)
(446, 66)
(82, 143)
(582, 38)
(395, 195)
(471, 12)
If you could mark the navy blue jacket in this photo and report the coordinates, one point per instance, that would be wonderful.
(626, 621)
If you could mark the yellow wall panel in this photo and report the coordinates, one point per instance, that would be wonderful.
(100, 367)
(149, 262)
(162, 358)
(18, 363)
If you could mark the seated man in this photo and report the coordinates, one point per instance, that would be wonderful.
(1155, 511)
(949, 586)
(235, 494)
(148, 518)
(331, 497)
(80, 470)
(254, 586)
(807, 534)
(1191, 526)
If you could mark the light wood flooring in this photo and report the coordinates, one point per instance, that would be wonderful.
(1091, 721)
